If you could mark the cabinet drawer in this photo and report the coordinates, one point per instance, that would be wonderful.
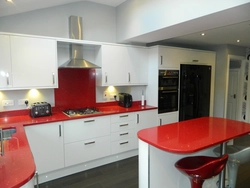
(121, 126)
(123, 117)
(123, 135)
(122, 145)
(83, 129)
(87, 150)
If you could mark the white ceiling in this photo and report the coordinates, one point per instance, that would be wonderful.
(222, 35)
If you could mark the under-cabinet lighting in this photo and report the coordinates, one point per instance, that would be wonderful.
(33, 93)
(202, 34)
(8, 0)
(238, 40)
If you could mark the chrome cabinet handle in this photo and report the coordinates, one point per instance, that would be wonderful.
(128, 76)
(138, 118)
(161, 59)
(87, 143)
(123, 116)
(60, 131)
(53, 78)
(123, 125)
(2, 143)
(106, 78)
(88, 121)
(7, 79)
(160, 121)
(123, 134)
(124, 143)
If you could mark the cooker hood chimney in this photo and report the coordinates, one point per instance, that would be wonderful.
(76, 50)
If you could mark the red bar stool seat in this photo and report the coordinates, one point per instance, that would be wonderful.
(200, 168)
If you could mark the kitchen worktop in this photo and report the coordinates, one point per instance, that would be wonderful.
(160, 147)
(193, 135)
(17, 165)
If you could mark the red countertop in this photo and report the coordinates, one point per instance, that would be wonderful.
(193, 135)
(17, 165)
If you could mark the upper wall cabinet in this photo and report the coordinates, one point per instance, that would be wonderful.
(5, 62)
(171, 57)
(121, 65)
(28, 62)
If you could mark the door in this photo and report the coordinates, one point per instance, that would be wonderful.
(232, 94)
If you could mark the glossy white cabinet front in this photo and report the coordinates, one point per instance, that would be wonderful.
(122, 65)
(5, 62)
(27, 62)
(33, 62)
(46, 143)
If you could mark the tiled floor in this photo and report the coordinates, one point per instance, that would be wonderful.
(124, 174)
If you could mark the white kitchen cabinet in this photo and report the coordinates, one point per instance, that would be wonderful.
(123, 132)
(121, 65)
(167, 118)
(5, 62)
(145, 119)
(34, 62)
(171, 57)
(46, 143)
(86, 139)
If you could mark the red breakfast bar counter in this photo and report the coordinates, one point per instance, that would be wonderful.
(160, 147)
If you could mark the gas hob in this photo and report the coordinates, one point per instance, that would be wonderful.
(81, 112)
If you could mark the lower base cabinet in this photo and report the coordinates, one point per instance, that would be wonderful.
(67, 147)
(167, 118)
(87, 150)
(46, 143)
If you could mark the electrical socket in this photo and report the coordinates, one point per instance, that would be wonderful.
(105, 95)
(112, 96)
(22, 102)
(8, 102)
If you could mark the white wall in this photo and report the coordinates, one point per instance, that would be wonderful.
(33, 96)
(99, 21)
(221, 75)
(138, 17)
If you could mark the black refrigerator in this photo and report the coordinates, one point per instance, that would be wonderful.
(195, 82)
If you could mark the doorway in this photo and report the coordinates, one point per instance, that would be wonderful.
(235, 88)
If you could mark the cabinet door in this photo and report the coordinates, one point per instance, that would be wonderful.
(167, 118)
(46, 143)
(122, 65)
(83, 151)
(114, 65)
(138, 66)
(83, 129)
(34, 62)
(5, 62)
(145, 119)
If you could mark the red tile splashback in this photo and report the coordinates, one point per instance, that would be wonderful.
(76, 88)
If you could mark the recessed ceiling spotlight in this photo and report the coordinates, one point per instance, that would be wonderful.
(202, 34)
(238, 40)
(8, 0)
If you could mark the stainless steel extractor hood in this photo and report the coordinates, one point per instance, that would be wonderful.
(76, 50)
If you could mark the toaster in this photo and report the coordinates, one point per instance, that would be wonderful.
(125, 100)
(40, 109)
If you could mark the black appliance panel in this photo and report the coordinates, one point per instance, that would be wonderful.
(168, 91)
(195, 81)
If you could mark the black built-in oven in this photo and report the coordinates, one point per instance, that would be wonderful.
(168, 91)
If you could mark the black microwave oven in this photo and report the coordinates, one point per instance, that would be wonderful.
(125, 100)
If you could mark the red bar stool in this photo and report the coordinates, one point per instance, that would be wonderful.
(200, 168)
